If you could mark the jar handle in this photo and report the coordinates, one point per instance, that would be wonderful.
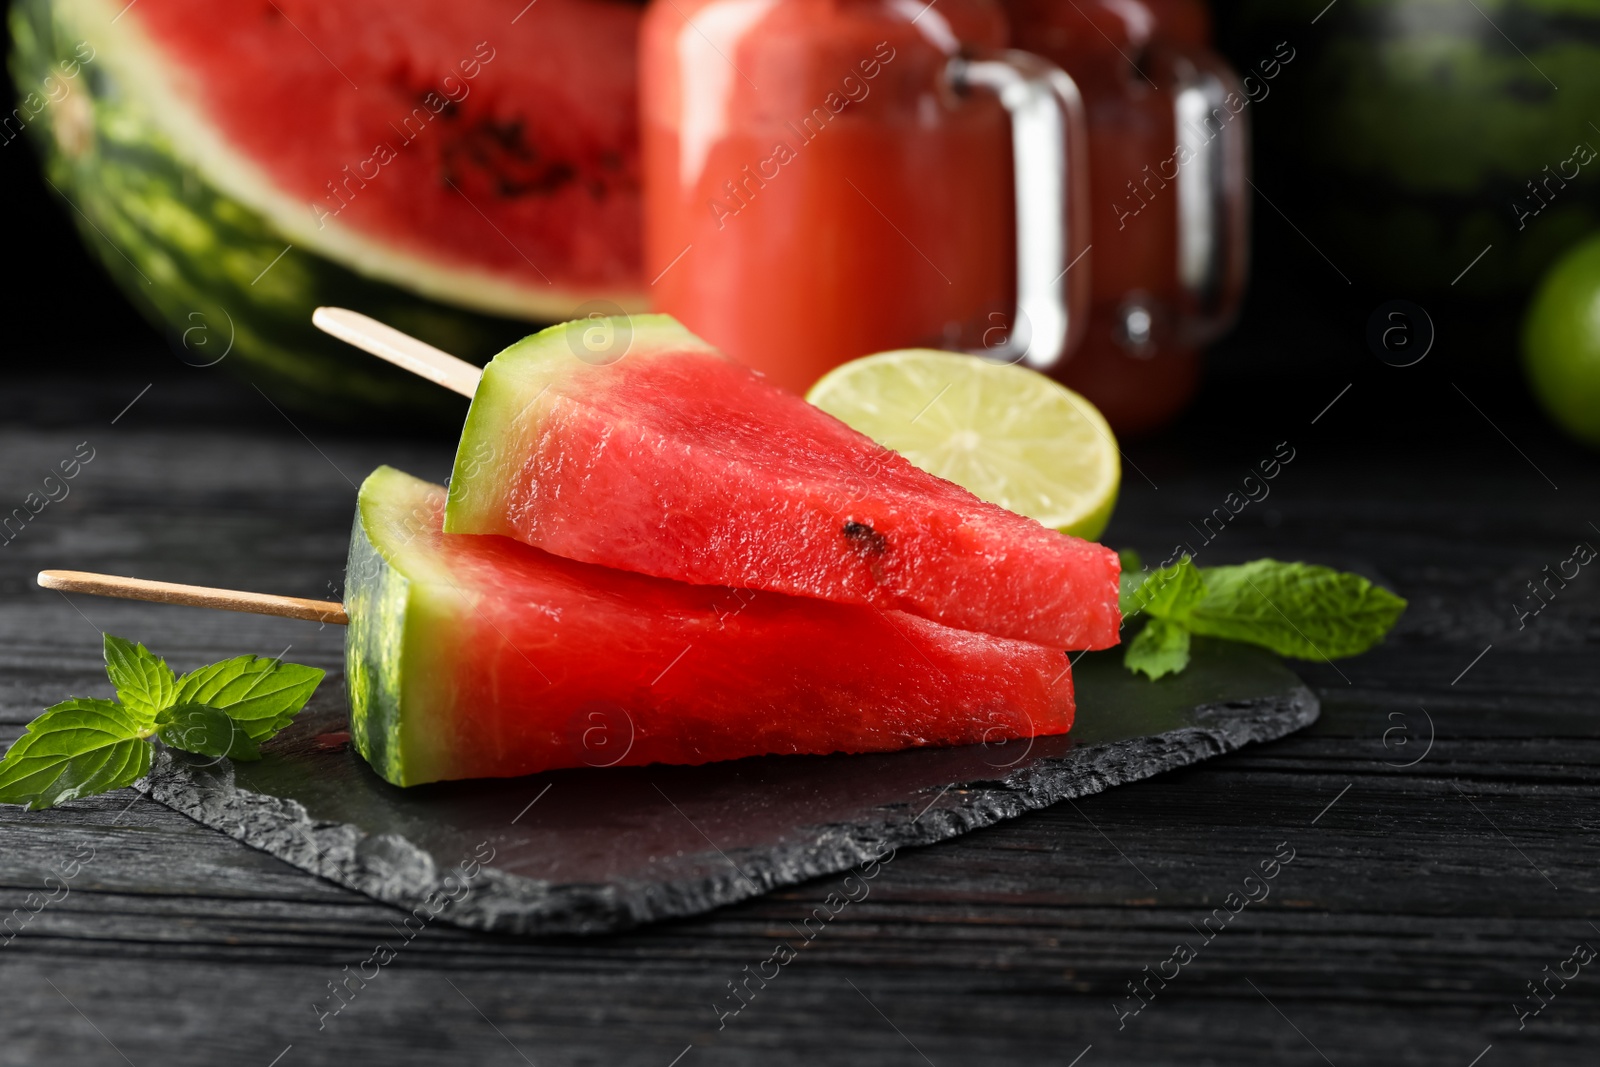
(1213, 208)
(1049, 136)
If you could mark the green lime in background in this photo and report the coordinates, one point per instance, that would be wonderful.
(1561, 342)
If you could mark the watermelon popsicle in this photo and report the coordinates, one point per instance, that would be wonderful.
(471, 657)
(649, 451)
(483, 657)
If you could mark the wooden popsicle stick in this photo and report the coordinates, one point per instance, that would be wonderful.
(195, 596)
(403, 350)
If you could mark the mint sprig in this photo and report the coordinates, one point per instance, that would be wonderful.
(76, 749)
(1162, 647)
(82, 747)
(1295, 609)
(206, 732)
(260, 695)
(144, 682)
(1298, 610)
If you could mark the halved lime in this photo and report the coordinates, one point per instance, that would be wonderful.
(1008, 434)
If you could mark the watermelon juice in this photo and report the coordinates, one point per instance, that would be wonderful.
(814, 189)
(1167, 144)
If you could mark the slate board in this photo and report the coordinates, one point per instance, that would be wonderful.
(596, 850)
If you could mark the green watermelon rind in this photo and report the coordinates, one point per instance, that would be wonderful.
(1429, 123)
(1415, 110)
(1412, 113)
(217, 274)
(375, 599)
(505, 412)
(392, 599)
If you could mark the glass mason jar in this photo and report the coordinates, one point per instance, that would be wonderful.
(825, 179)
(1169, 214)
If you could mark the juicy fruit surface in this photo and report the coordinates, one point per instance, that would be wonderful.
(1561, 342)
(514, 145)
(665, 458)
(213, 265)
(484, 657)
(1010, 435)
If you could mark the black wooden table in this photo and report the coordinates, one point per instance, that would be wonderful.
(1441, 817)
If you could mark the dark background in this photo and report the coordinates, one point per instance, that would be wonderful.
(1299, 340)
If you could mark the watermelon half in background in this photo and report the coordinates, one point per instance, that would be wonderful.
(458, 170)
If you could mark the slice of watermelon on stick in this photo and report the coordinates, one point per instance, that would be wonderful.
(475, 657)
(631, 443)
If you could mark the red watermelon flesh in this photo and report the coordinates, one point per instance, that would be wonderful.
(489, 134)
(672, 460)
(473, 657)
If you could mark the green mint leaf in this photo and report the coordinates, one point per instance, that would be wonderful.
(1130, 559)
(144, 682)
(1128, 585)
(206, 731)
(1168, 593)
(77, 748)
(261, 695)
(1162, 647)
(1294, 609)
(1172, 592)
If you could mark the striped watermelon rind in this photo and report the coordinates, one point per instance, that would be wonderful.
(379, 601)
(490, 446)
(193, 239)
